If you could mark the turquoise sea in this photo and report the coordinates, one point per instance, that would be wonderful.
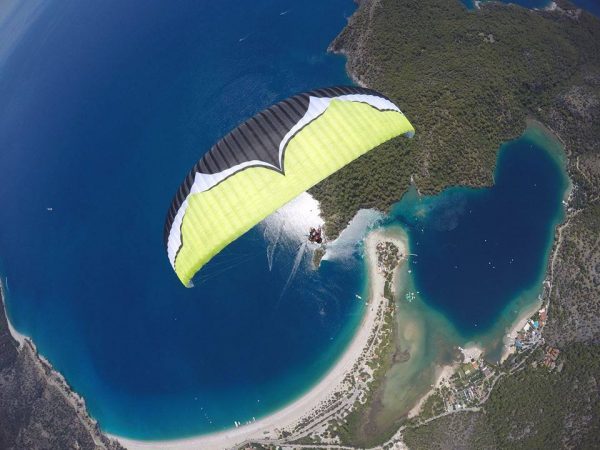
(478, 262)
(106, 106)
(468, 242)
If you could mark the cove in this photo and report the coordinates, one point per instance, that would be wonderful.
(477, 266)
(477, 249)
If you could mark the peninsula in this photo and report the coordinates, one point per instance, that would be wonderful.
(467, 80)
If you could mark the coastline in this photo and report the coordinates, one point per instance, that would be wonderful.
(53, 376)
(315, 406)
(37, 371)
(442, 375)
(482, 347)
(20, 338)
(518, 324)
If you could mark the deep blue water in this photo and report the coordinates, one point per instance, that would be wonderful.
(105, 107)
(592, 6)
(478, 249)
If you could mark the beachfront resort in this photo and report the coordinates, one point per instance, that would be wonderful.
(472, 380)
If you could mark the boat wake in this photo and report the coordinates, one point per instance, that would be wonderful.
(273, 241)
(242, 39)
(297, 261)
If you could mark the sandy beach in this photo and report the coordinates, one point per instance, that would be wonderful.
(471, 352)
(309, 404)
(442, 375)
(511, 333)
(310, 407)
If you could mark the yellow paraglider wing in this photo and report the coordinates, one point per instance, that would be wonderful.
(268, 161)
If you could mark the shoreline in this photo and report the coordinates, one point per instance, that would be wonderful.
(53, 380)
(19, 337)
(312, 405)
(54, 376)
(312, 408)
(517, 325)
(442, 374)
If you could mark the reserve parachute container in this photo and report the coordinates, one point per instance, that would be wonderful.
(269, 160)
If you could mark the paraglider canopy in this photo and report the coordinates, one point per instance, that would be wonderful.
(269, 160)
